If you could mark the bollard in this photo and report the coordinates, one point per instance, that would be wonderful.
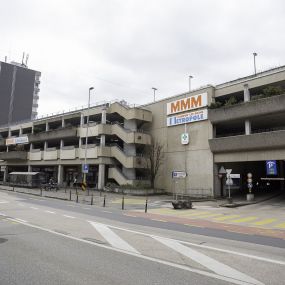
(69, 195)
(123, 203)
(77, 198)
(92, 199)
(145, 209)
(104, 202)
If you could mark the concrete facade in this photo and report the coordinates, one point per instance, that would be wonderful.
(241, 134)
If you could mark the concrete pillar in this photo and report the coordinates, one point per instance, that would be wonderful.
(81, 120)
(47, 126)
(130, 125)
(29, 168)
(45, 145)
(80, 143)
(101, 176)
(5, 174)
(60, 175)
(31, 146)
(102, 140)
(63, 122)
(9, 133)
(104, 115)
(32, 129)
(246, 93)
(247, 127)
(61, 144)
(218, 190)
(20, 131)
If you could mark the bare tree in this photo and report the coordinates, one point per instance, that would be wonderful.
(154, 158)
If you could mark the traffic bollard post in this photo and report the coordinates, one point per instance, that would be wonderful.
(69, 195)
(123, 203)
(104, 202)
(145, 209)
(92, 199)
(77, 198)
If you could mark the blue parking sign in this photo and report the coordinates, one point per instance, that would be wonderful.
(271, 167)
(85, 168)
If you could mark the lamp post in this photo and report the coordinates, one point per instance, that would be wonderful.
(86, 139)
(190, 77)
(154, 89)
(254, 55)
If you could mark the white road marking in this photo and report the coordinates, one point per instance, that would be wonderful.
(4, 202)
(2, 214)
(50, 212)
(107, 211)
(274, 261)
(34, 208)
(86, 208)
(20, 220)
(67, 216)
(112, 238)
(168, 263)
(19, 204)
(208, 262)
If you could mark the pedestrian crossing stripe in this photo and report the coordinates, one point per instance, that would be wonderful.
(280, 226)
(265, 222)
(229, 217)
(246, 219)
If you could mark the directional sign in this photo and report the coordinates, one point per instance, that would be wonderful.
(234, 175)
(179, 174)
(271, 167)
(85, 168)
(249, 185)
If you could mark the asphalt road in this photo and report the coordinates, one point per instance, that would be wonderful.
(118, 215)
(46, 241)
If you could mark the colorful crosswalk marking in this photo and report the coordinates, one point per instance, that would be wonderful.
(265, 222)
(280, 226)
(228, 217)
(246, 219)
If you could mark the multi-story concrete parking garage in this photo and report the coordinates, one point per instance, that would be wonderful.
(238, 125)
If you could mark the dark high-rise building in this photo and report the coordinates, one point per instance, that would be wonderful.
(19, 88)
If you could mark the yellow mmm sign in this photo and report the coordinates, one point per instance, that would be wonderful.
(186, 104)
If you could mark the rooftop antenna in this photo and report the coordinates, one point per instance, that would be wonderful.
(5, 58)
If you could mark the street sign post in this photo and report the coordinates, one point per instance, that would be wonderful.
(230, 182)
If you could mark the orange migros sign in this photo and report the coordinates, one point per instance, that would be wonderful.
(186, 104)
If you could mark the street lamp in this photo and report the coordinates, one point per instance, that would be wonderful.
(190, 77)
(86, 139)
(154, 89)
(254, 55)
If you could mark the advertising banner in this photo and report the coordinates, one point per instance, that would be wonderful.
(17, 140)
(187, 104)
(187, 118)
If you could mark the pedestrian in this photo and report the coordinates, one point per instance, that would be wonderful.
(74, 182)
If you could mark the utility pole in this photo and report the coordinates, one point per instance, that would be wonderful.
(190, 77)
(86, 139)
(254, 55)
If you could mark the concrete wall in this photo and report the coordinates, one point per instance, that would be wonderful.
(196, 156)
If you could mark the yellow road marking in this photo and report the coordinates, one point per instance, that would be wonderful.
(242, 220)
(229, 217)
(264, 222)
(189, 214)
(280, 226)
(209, 216)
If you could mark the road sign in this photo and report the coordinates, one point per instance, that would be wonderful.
(249, 180)
(3, 167)
(271, 167)
(249, 185)
(229, 181)
(179, 174)
(234, 175)
(85, 168)
(185, 138)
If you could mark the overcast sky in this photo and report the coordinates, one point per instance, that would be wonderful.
(125, 47)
